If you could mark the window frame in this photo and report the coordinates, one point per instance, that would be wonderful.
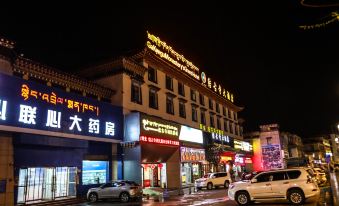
(169, 107)
(156, 103)
(138, 100)
(155, 80)
(182, 108)
(194, 114)
(169, 83)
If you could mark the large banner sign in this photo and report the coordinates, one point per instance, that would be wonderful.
(36, 107)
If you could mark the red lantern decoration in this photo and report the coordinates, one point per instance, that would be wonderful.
(160, 165)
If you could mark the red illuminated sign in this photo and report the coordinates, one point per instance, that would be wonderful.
(159, 141)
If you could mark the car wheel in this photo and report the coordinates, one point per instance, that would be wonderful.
(124, 197)
(209, 186)
(93, 197)
(242, 198)
(296, 197)
(226, 184)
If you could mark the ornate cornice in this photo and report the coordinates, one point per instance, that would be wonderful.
(37, 70)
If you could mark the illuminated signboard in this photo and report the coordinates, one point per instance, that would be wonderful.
(156, 140)
(191, 135)
(192, 154)
(157, 127)
(167, 53)
(35, 107)
(242, 145)
(211, 129)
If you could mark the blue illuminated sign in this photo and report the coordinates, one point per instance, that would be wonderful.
(29, 105)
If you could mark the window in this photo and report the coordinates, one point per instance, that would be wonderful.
(269, 140)
(136, 93)
(210, 104)
(153, 98)
(224, 111)
(231, 128)
(182, 110)
(193, 95)
(201, 99)
(212, 120)
(225, 125)
(218, 123)
(229, 114)
(152, 75)
(235, 116)
(169, 83)
(264, 177)
(181, 89)
(217, 108)
(169, 105)
(277, 176)
(194, 114)
(202, 117)
(294, 174)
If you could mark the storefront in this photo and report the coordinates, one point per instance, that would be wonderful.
(243, 157)
(220, 150)
(192, 161)
(156, 152)
(62, 142)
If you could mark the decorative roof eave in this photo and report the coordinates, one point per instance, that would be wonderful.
(49, 74)
(149, 54)
(122, 64)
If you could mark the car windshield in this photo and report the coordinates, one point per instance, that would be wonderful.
(207, 175)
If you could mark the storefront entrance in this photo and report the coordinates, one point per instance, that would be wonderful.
(190, 172)
(154, 175)
(44, 184)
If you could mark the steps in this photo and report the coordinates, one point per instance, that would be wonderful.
(59, 202)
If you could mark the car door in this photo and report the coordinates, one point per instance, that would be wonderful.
(105, 190)
(279, 184)
(262, 188)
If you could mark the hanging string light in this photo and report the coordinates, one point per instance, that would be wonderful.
(334, 15)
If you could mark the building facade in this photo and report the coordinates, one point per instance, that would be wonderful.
(57, 138)
(161, 83)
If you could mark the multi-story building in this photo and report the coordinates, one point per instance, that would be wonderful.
(275, 149)
(318, 149)
(334, 138)
(56, 138)
(158, 89)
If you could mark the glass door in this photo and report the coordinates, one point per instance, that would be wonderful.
(48, 186)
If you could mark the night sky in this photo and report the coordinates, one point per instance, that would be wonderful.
(278, 72)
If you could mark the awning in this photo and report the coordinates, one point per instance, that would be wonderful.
(152, 153)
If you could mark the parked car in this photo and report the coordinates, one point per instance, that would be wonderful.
(295, 185)
(122, 189)
(320, 175)
(214, 179)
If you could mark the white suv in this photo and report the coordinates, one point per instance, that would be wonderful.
(295, 185)
(214, 179)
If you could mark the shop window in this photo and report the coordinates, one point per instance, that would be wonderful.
(152, 75)
(210, 104)
(136, 92)
(201, 99)
(217, 108)
(182, 109)
(193, 95)
(194, 114)
(212, 120)
(94, 172)
(181, 89)
(169, 83)
(218, 123)
(202, 117)
(153, 98)
(169, 105)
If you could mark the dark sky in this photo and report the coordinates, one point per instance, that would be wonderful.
(278, 72)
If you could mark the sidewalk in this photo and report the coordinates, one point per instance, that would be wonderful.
(335, 188)
(159, 194)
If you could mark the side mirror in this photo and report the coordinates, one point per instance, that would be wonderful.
(254, 180)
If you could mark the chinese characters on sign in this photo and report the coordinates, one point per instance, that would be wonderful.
(25, 104)
(242, 145)
(221, 138)
(52, 98)
(149, 125)
(217, 88)
(192, 154)
(159, 140)
(211, 129)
